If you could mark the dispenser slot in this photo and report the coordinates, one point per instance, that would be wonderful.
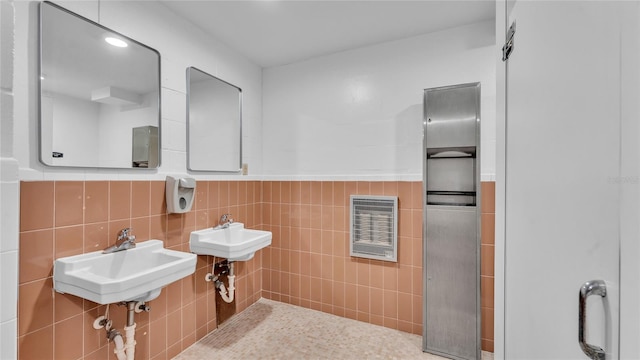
(451, 153)
(451, 181)
(452, 198)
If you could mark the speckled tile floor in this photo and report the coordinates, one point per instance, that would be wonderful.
(274, 330)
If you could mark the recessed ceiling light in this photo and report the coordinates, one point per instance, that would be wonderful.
(116, 42)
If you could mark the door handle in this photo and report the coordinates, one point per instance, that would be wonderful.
(593, 287)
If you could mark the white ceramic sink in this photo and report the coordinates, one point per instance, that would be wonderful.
(136, 274)
(234, 243)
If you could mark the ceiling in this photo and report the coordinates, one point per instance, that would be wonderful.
(276, 32)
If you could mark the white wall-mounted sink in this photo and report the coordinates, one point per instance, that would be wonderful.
(136, 274)
(234, 243)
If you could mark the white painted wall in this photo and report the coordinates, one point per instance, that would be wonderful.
(358, 113)
(180, 44)
(9, 192)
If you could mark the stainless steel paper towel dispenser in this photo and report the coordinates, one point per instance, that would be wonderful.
(145, 148)
(452, 221)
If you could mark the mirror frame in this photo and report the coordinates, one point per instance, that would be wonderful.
(39, 89)
(188, 75)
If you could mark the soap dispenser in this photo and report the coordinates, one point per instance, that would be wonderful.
(180, 193)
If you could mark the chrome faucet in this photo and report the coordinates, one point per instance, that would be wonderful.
(124, 242)
(225, 221)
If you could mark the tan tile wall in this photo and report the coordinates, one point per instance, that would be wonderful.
(487, 254)
(309, 265)
(65, 218)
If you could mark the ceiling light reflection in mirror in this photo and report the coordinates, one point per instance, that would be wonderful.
(116, 42)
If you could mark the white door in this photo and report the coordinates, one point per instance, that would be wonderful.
(564, 148)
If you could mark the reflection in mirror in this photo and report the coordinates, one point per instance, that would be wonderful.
(97, 89)
(214, 120)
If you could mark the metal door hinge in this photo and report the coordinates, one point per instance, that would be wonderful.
(508, 46)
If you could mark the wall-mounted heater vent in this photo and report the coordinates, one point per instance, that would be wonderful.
(374, 227)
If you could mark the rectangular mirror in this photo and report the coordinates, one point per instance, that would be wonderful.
(97, 89)
(214, 123)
